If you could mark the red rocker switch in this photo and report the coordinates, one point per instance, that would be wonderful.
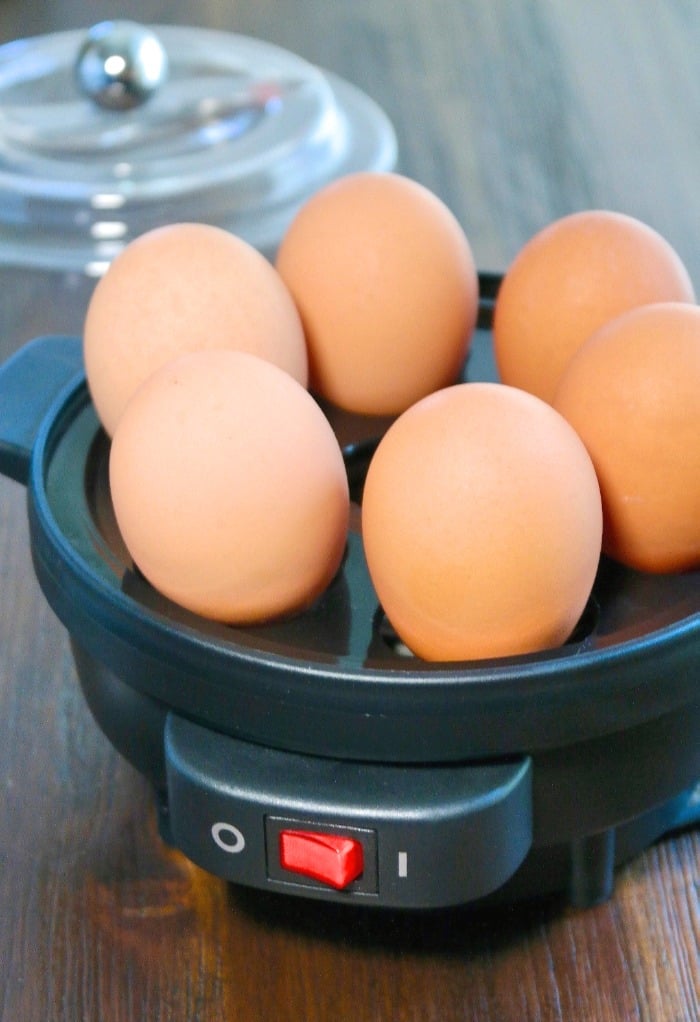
(330, 858)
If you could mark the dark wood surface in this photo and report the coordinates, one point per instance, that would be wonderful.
(514, 113)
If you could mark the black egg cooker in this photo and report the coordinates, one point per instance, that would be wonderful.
(315, 756)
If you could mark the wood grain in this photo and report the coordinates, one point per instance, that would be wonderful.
(514, 114)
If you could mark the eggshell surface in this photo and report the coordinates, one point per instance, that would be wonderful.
(632, 392)
(569, 280)
(229, 487)
(181, 288)
(385, 282)
(481, 522)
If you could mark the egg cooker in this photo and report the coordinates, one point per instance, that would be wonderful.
(315, 756)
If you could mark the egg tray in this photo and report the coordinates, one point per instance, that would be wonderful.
(601, 736)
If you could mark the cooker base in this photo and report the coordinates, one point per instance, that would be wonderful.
(554, 831)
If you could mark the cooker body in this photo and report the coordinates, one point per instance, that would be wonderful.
(569, 817)
(274, 751)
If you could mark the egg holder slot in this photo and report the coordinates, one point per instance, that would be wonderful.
(588, 752)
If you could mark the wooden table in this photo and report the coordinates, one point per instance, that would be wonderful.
(514, 113)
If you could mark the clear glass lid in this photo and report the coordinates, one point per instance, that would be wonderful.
(108, 133)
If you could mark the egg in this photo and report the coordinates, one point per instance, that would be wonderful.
(481, 524)
(229, 487)
(567, 281)
(632, 392)
(384, 279)
(180, 288)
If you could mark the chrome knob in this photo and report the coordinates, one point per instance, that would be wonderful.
(120, 65)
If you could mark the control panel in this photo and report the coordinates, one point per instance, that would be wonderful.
(414, 836)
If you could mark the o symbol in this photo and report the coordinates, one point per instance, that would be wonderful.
(228, 838)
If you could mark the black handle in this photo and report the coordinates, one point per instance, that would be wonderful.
(30, 382)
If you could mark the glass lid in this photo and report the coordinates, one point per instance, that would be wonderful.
(107, 133)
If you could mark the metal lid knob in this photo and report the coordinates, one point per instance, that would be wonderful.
(120, 65)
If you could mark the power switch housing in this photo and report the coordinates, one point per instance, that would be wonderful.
(430, 835)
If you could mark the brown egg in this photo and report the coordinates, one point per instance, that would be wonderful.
(229, 487)
(481, 521)
(570, 279)
(180, 288)
(385, 282)
(632, 393)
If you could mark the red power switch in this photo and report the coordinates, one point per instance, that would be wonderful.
(331, 858)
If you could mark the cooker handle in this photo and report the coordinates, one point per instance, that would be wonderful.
(30, 381)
